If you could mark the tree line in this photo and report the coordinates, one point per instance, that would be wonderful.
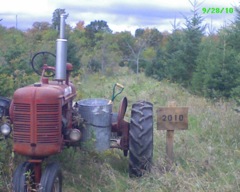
(207, 64)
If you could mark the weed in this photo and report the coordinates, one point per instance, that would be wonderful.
(206, 155)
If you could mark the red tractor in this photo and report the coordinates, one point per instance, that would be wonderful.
(43, 118)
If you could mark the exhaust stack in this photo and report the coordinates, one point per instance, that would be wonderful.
(61, 52)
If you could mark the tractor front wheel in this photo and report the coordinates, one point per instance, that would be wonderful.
(140, 138)
(23, 178)
(51, 180)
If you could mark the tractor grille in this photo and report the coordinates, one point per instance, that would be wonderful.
(22, 123)
(47, 107)
(40, 127)
(48, 123)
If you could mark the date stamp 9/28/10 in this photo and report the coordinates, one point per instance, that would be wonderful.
(217, 10)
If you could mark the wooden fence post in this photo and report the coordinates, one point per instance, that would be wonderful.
(170, 141)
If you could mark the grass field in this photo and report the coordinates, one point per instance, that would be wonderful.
(207, 155)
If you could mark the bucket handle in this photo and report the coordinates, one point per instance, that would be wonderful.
(120, 89)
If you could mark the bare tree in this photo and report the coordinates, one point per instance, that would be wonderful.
(140, 44)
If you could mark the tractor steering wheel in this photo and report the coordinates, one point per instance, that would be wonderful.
(40, 60)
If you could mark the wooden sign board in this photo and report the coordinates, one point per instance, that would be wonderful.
(172, 118)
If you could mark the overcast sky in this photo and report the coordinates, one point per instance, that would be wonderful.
(121, 15)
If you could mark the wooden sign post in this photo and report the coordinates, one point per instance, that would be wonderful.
(171, 118)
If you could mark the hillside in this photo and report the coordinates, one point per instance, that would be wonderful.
(206, 155)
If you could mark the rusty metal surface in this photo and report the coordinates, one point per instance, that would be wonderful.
(36, 113)
(122, 126)
(37, 167)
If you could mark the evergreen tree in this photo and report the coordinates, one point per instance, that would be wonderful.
(95, 30)
(56, 18)
(183, 48)
(218, 68)
(194, 32)
(175, 67)
(157, 68)
(205, 79)
(232, 40)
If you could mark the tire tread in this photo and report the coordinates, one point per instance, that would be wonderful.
(140, 138)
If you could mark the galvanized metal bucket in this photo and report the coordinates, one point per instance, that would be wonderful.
(97, 113)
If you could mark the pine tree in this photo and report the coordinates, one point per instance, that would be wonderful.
(183, 48)
(56, 18)
(194, 32)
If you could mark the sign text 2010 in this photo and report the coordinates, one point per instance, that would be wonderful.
(174, 118)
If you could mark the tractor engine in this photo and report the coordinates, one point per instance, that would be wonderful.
(41, 115)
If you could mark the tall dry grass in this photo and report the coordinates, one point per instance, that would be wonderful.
(206, 156)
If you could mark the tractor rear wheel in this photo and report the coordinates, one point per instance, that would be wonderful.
(141, 138)
(51, 180)
(23, 178)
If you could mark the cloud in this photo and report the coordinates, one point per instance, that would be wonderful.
(120, 15)
(132, 16)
